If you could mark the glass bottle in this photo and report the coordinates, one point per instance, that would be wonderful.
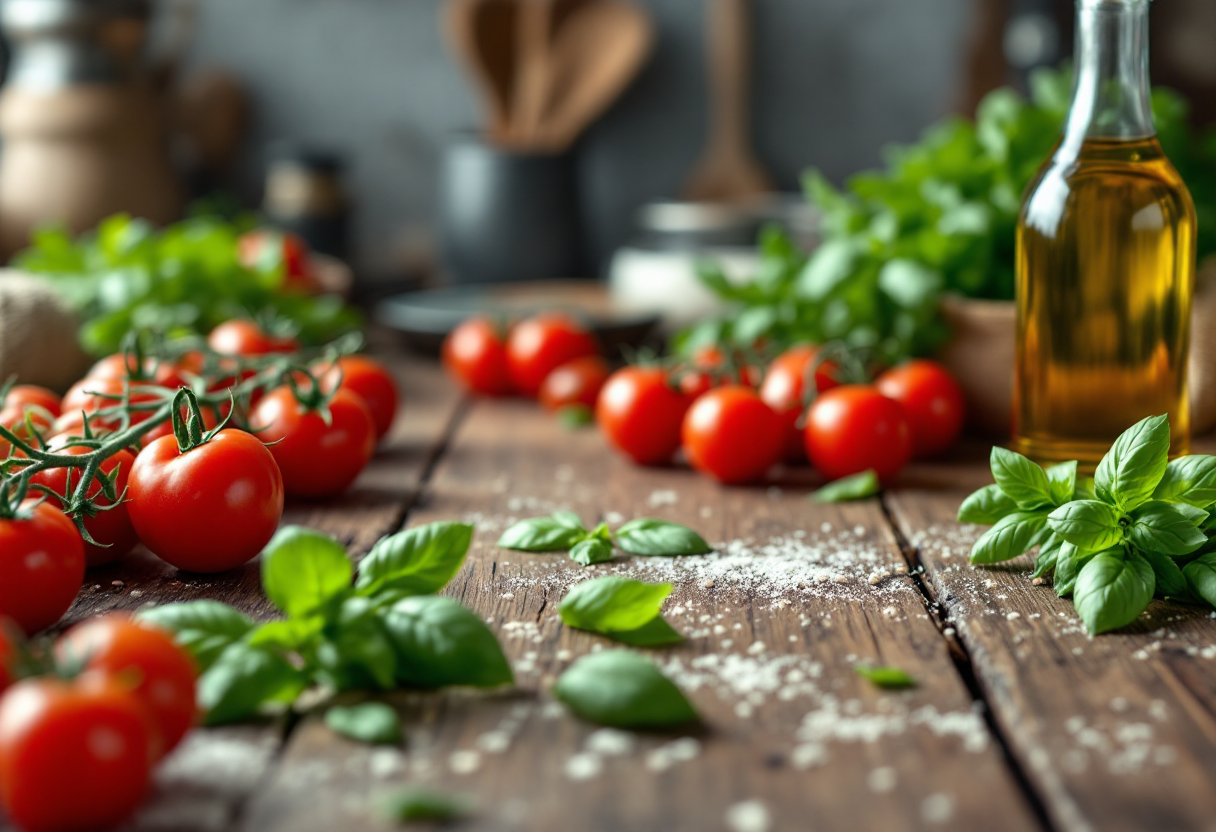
(1105, 260)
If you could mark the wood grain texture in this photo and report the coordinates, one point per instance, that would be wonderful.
(792, 733)
(1115, 732)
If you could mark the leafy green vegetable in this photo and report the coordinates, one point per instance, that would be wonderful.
(544, 534)
(621, 689)
(855, 487)
(1190, 480)
(420, 805)
(439, 643)
(1021, 480)
(417, 561)
(1090, 525)
(1112, 591)
(204, 628)
(371, 722)
(660, 538)
(243, 680)
(891, 678)
(302, 570)
(1013, 535)
(592, 550)
(1130, 472)
(1171, 529)
(986, 506)
(612, 604)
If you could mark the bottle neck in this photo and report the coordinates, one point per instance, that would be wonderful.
(1111, 98)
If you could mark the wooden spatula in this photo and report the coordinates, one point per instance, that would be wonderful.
(728, 170)
(482, 35)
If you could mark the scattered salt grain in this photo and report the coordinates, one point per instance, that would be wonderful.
(507, 596)
(385, 762)
(610, 743)
(584, 766)
(881, 780)
(809, 754)
(677, 751)
(494, 742)
(937, 808)
(666, 497)
(749, 816)
(464, 762)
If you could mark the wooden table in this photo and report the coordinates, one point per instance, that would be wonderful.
(1020, 721)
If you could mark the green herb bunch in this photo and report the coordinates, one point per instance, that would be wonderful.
(563, 531)
(1143, 527)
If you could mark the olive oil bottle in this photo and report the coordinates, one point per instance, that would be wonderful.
(1105, 260)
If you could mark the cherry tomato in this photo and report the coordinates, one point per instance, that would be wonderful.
(576, 382)
(93, 394)
(8, 655)
(91, 734)
(72, 424)
(31, 394)
(853, 428)
(14, 419)
(541, 344)
(369, 380)
(243, 337)
(144, 659)
(317, 460)
(160, 373)
(640, 414)
(475, 354)
(41, 566)
(707, 373)
(265, 250)
(932, 401)
(732, 435)
(112, 526)
(784, 391)
(210, 509)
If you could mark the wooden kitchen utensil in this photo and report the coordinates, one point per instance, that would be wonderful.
(533, 67)
(482, 34)
(728, 170)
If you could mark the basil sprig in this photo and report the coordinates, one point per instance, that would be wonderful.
(382, 630)
(563, 531)
(1143, 528)
(622, 609)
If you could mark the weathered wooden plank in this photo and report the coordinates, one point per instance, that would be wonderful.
(1115, 732)
(796, 596)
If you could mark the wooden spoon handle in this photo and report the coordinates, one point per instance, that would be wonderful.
(729, 56)
(532, 81)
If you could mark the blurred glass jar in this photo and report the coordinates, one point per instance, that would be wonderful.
(305, 195)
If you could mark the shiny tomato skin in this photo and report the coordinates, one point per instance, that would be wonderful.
(706, 371)
(576, 382)
(112, 526)
(317, 460)
(932, 400)
(41, 567)
(244, 337)
(539, 345)
(640, 414)
(368, 379)
(161, 373)
(90, 395)
(210, 509)
(853, 428)
(27, 394)
(147, 662)
(14, 418)
(784, 390)
(7, 655)
(89, 733)
(475, 354)
(732, 435)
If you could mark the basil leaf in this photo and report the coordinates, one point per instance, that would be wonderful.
(244, 679)
(356, 652)
(575, 416)
(1130, 472)
(1189, 479)
(1168, 528)
(372, 722)
(1171, 583)
(292, 634)
(600, 532)
(569, 519)
(204, 628)
(1069, 561)
(302, 570)
(418, 804)
(592, 550)
(1045, 561)
(646, 536)
(1013, 535)
(417, 561)
(541, 534)
(612, 604)
(890, 678)
(986, 506)
(621, 689)
(855, 487)
(1063, 482)
(438, 642)
(1090, 525)
(1085, 489)
(1112, 591)
(655, 633)
(1023, 481)
(1201, 577)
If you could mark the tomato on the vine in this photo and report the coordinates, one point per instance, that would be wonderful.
(708, 369)
(475, 354)
(853, 428)
(20, 395)
(8, 655)
(112, 527)
(641, 414)
(211, 420)
(41, 566)
(17, 420)
(784, 390)
(732, 435)
(932, 400)
(368, 379)
(89, 395)
(318, 459)
(118, 366)
(144, 659)
(576, 382)
(209, 509)
(539, 345)
(91, 734)
(245, 337)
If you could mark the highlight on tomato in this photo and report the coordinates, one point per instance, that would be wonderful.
(369, 380)
(21, 395)
(785, 391)
(853, 428)
(732, 435)
(576, 383)
(640, 413)
(932, 401)
(540, 344)
(475, 355)
(245, 337)
(42, 564)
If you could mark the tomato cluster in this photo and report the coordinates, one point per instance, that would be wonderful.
(122, 698)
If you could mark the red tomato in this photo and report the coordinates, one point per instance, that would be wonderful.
(91, 734)
(72, 424)
(145, 660)
(640, 414)
(113, 526)
(784, 391)
(707, 365)
(41, 566)
(13, 418)
(369, 380)
(93, 394)
(7, 655)
(932, 401)
(244, 337)
(475, 354)
(732, 435)
(31, 394)
(854, 428)
(210, 509)
(264, 250)
(317, 460)
(161, 373)
(541, 344)
(576, 382)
